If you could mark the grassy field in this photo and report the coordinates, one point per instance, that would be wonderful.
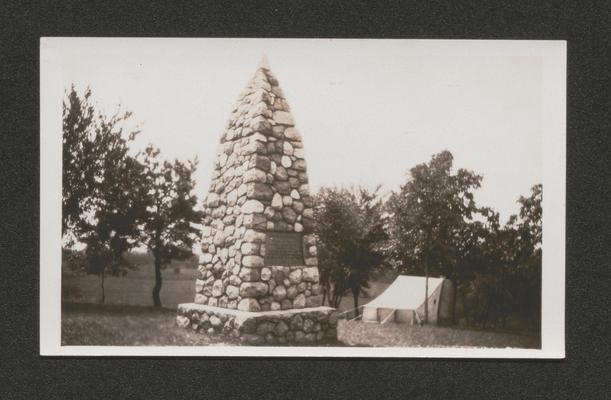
(135, 288)
(357, 333)
(127, 318)
(112, 325)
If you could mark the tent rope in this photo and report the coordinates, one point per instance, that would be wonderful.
(388, 316)
(349, 311)
(355, 318)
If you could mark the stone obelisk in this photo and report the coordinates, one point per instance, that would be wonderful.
(258, 273)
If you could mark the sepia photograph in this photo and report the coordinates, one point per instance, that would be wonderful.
(302, 197)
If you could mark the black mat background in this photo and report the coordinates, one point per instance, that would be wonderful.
(584, 374)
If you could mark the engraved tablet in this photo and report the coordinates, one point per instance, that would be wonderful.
(283, 248)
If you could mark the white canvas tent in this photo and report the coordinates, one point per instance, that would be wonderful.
(403, 301)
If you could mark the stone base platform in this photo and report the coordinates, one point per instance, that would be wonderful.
(295, 326)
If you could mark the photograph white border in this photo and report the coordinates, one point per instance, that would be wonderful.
(553, 55)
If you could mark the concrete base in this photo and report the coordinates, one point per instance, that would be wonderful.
(295, 326)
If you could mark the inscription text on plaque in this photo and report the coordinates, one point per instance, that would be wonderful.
(283, 248)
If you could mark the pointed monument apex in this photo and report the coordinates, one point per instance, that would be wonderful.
(264, 63)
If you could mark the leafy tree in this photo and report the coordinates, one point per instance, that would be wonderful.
(350, 230)
(505, 267)
(525, 253)
(169, 225)
(428, 215)
(100, 206)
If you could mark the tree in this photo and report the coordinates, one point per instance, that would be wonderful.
(349, 230)
(505, 265)
(525, 253)
(99, 203)
(428, 215)
(169, 225)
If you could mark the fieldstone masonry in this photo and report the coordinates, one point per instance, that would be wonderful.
(258, 276)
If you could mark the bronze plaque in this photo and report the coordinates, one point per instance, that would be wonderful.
(283, 249)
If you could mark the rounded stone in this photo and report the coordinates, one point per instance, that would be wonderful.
(200, 299)
(252, 261)
(252, 206)
(283, 117)
(281, 328)
(277, 201)
(286, 162)
(295, 276)
(300, 301)
(217, 288)
(215, 321)
(248, 248)
(182, 321)
(279, 293)
(289, 215)
(266, 274)
(264, 327)
(253, 289)
(281, 173)
(310, 274)
(292, 133)
(232, 292)
(259, 191)
(253, 236)
(249, 304)
(308, 325)
(311, 261)
(299, 153)
(291, 292)
(287, 149)
(249, 274)
(298, 206)
(313, 251)
(212, 200)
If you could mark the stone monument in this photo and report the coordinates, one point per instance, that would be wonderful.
(258, 273)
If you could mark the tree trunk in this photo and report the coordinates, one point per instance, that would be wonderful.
(454, 298)
(355, 294)
(426, 292)
(157, 287)
(465, 310)
(102, 284)
(324, 295)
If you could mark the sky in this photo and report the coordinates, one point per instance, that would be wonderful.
(368, 110)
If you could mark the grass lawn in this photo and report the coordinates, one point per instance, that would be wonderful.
(112, 325)
(357, 333)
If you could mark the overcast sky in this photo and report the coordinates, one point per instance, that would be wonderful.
(367, 110)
